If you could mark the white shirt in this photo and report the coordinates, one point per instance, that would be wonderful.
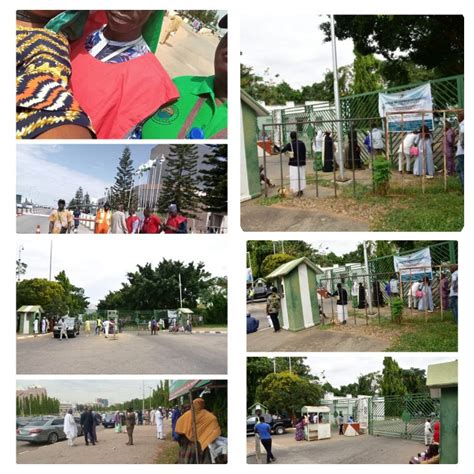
(454, 280)
(394, 286)
(460, 148)
(377, 139)
(407, 143)
(318, 142)
(427, 427)
(70, 427)
(414, 288)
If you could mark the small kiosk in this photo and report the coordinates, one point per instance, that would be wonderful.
(318, 426)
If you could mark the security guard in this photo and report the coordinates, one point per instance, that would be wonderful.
(103, 220)
(201, 110)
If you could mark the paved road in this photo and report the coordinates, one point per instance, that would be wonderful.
(110, 449)
(26, 224)
(364, 449)
(315, 339)
(128, 354)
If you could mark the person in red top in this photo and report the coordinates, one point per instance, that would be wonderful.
(151, 223)
(176, 223)
(133, 222)
(436, 431)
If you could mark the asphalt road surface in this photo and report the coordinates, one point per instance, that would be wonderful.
(312, 339)
(27, 223)
(110, 449)
(363, 449)
(164, 353)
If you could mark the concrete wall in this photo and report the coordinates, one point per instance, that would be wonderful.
(449, 426)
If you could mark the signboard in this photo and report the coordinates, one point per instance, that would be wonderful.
(416, 99)
(414, 266)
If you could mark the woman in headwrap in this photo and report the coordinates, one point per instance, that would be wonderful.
(45, 105)
(116, 76)
(207, 430)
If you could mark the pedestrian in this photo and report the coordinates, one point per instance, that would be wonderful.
(436, 431)
(172, 27)
(300, 427)
(87, 422)
(460, 149)
(103, 219)
(130, 422)
(263, 430)
(152, 416)
(428, 431)
(424, 165)
(44, 325)
(106, 326)
(453, 292)
(340, 422)
(176, 223)
(154, 325)
(62, 329)
(118, 222)
(98, 327)
(60, 220)
(273, 308)
(175, 414)
(406, 150)
(70, 428)
(318, 143)
(341, 303)
(118, 422)
(159, 424)
(426, 300)
(36, 326)
(151, 223)
(414, 294)
(376, 140)
(87, 326)
(133, 222)
(394, 286)
(96, 420)
(296, 153)
(444, 291)
(449, 145)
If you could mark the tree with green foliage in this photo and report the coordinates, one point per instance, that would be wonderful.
(76, 300)
(414, 380)
(392, 378)
(87, 201)
(124, 179)
(180, 184)
(367, 76)
(50, 295)
(287, 392)
(35, 405)
(20, 268)
(208, 17)
(214, 180)
(214, 301)
(272, 262)
(78, 199)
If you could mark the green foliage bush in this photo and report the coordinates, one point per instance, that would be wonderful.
(382, 173)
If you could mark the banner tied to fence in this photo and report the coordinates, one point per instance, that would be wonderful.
(414, 266)
(411, 100)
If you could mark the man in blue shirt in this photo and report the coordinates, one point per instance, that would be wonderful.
(252, 324)
(264, 431)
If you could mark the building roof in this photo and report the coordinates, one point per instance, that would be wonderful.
(319, 409)
(288, 267)
(182, 387)
(185, 311)
(30, 309)
(443, 375)
(259, 109)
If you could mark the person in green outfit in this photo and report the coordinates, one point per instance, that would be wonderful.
(201, 110)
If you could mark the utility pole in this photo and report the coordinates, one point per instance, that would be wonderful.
(143, 397)
(336, 100)
(274, 365)
(19, 269)
(180, 292)
(366, 263)
(289, 364)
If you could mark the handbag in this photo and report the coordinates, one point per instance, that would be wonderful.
(414, 151)
(419, 294)
(290, 154)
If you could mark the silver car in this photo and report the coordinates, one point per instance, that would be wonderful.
(48, 429)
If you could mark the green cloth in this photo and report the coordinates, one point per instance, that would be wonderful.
(168, 121)
(152, 29)
(70, 23)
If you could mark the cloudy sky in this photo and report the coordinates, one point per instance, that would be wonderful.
(101, 267)
(342, 370)
(86, 391)
(290, 44)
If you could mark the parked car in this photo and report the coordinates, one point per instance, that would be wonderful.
(73, 327)
(278, 425)
(48, 429)
(108, 420)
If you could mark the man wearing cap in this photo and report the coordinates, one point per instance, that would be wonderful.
(176, 223)
(201, 110)
(115, 74)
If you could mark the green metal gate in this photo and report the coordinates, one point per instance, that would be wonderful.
(402, 416)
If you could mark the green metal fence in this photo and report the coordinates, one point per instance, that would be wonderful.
(402, 416)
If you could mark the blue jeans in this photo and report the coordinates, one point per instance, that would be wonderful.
(454, 307)
(460, 168)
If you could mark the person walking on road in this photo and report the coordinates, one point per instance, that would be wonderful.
(118, 422)
(340, 422)
(428, 432)
(103, 220)
(341, 303)
(296, 152)
(264, 431)
(130, 423)
(98, 327)
(70, 428)
(273, 308)
(44, 325)
(118, 223)
(159, 424)
(76, 214)
(62, 329)
(36, 326)
(453, 292)
(60, 220)
(87, 422)
(133, 222)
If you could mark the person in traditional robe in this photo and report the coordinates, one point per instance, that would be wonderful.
(328, 153)
(175, 414)
(353, 151)
(70, 428)
(362, 300)
(341, 303)
(377, 295)
(424, 164)
(426, 300)
(444, 291)
(318, 144)
(159, 424)
(36, 326)
(296, 151)
(44, 325)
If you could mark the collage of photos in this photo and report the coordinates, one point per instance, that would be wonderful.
(125, 346)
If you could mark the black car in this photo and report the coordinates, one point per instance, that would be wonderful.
(278, 426)
(108, 420)
(73, 327)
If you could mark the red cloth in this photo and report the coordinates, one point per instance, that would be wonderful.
(151, 225)
(117, 96)
(175, 221)
(130, 221)
(436, 431)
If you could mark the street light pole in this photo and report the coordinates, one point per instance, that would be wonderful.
(19, 261)
(366, 262)
(180, 292)
(336, 100)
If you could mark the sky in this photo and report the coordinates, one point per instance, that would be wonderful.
(339, 247)
(340, 370)
(101, 267)
(290, 44)
(46, 173)
(86, 391)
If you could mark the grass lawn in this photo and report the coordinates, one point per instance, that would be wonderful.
(169, 451)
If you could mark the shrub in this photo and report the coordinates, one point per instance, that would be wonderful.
(382, 173)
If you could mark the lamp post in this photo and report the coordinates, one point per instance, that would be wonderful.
(19, 267)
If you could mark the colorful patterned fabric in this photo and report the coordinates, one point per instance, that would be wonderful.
(43, 98)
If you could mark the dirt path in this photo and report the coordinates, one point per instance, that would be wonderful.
(110, 449)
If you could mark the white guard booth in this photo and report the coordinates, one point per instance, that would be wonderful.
(318, 426)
